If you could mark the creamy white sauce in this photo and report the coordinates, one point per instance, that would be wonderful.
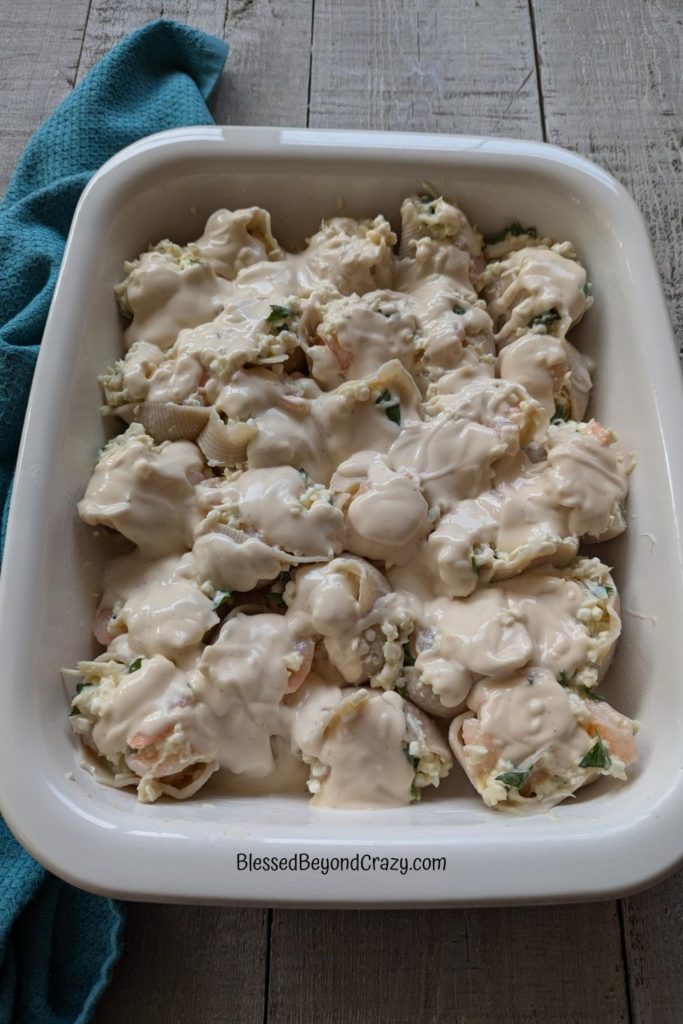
(343, 490)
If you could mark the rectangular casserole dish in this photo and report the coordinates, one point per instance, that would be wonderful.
(613, 838)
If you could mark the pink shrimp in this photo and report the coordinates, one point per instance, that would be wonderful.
(600, 433)
(616, 730)
(142, 740)
(306, 648)
(474, 736)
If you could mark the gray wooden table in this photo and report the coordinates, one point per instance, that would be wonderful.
(602, 77)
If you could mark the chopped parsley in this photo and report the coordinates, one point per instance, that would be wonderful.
(134, 665)
(515, 229)
(473, 564)
(514, 779)
(563, 678)
(429, 202)
(460, 310)
(587, 289)
(278, 317)
(220, 598)
(79, 688)
(545, 319)
(561, 414)
(277, 596)
(408, 659)
(392, 407)
(597, 756)
(589, 694)
(414, 764)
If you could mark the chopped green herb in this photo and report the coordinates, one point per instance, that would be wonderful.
(134, 665)
(408, 659)
(414, 761)
(278, 313)
(561, 414)
(391, 405)
(589, 694)
(587, 289)
(460, 310)
(79, 688)
(473, 564)
(545, 319)
(515, 229)
(430, 202)
(514, 779)
(278, 317)
(597, 756)
(277, 596)
(563, 679)
(414, 764)
(220, 598)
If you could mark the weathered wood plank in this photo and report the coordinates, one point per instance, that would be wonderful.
(110, 20)
(612, 84)
(189, 964)
(444, 65)
(551, 965)
(612, 87)
(40, 45)
(266, 78)
(653, 930)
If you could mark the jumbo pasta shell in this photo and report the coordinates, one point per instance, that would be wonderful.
(167, 421)
(225, 444)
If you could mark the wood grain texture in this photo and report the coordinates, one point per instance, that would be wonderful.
(545, 965)
(110, 20)
(653, 927)
(189, 964)
(444, 65)
(40, 46)
(266, 78)
(612, 83)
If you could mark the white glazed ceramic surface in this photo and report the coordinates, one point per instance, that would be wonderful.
(614, 837)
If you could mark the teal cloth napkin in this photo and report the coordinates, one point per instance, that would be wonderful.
(58, 945)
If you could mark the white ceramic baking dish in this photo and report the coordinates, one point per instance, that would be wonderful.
(613, 838)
